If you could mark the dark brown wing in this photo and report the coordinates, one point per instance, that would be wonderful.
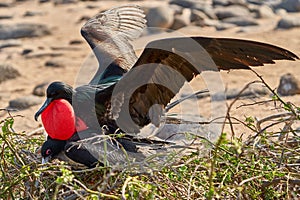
(109, 33)
(240, 54)
(164, 66)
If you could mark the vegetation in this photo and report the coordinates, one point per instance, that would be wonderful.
(263, 166)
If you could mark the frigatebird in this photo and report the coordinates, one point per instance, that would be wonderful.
(133, 91)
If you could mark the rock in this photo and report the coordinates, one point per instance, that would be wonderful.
(281, 12)
(265, 11)
(10, 43)
(257, 29)
(288, 85)
(57, 2)
(5, 4)
(40, 89)
(232, 11)
(241, 21)
(32, 13)
(198, 15)
(161, 17)
(177, 9)
(8, 72)
(43, 54)
(75, 42)
(209, 11)
(224, 26)
(217, 24)
(54, 64)
(228, 2)
(22, 30)
(6, 17)
(182, 20)
(26, 51)
(287, 22)
(25, 102)
(290, 5)
(194, 4)
(220, 2)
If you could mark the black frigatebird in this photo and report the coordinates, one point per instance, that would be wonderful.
(102, 103)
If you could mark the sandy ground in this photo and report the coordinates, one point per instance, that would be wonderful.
(64, 21)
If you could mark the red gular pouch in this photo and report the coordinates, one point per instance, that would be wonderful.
(59, 120)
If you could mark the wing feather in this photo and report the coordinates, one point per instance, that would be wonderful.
(109, 33)
(161, 72)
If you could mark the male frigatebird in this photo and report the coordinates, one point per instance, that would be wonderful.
(122, 96)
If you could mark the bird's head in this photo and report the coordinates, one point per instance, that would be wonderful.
(51, 148)
(56, 90)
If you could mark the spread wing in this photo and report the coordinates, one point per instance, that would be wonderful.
(141, 95)
(108, 34)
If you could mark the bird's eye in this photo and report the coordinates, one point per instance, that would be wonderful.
(48, 152)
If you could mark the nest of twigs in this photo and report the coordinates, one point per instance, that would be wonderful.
(266, 165)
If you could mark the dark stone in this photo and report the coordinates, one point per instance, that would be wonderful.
(229, 2)
(10, 43)
(4, 4)
(198, 15)
(40, 89)
(6, 17)
(232, 11)
(44, 1)
(26, 51)
(182, 20)
(288, 85)
(241, 21)
(193, 4)
(162, 17)
(54, 63)
(265, 11)
(289, 22)
(74, 42)
(32, 13)
(290, 5)
(22, 30)
(25, 102)
(8, 72)
(57, 2)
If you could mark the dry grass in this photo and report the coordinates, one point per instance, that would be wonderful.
(264, 166)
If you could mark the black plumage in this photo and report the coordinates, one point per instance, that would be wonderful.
(112, 99)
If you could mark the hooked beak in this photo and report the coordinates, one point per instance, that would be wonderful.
(44, 106)
(46, 159)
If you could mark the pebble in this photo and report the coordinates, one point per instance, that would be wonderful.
(25, 102)
(7, 72)
(232, 11)
(241, 21)
(287, 22)
(290, 5)
(32, 13)
(265, 11)
(54, 64)
(40, 89)
(6, 17)
(75, 42)
(22, 30)
(228, 2)
(288, 85)
(182, 20)
(161, 17)
(10, 43)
